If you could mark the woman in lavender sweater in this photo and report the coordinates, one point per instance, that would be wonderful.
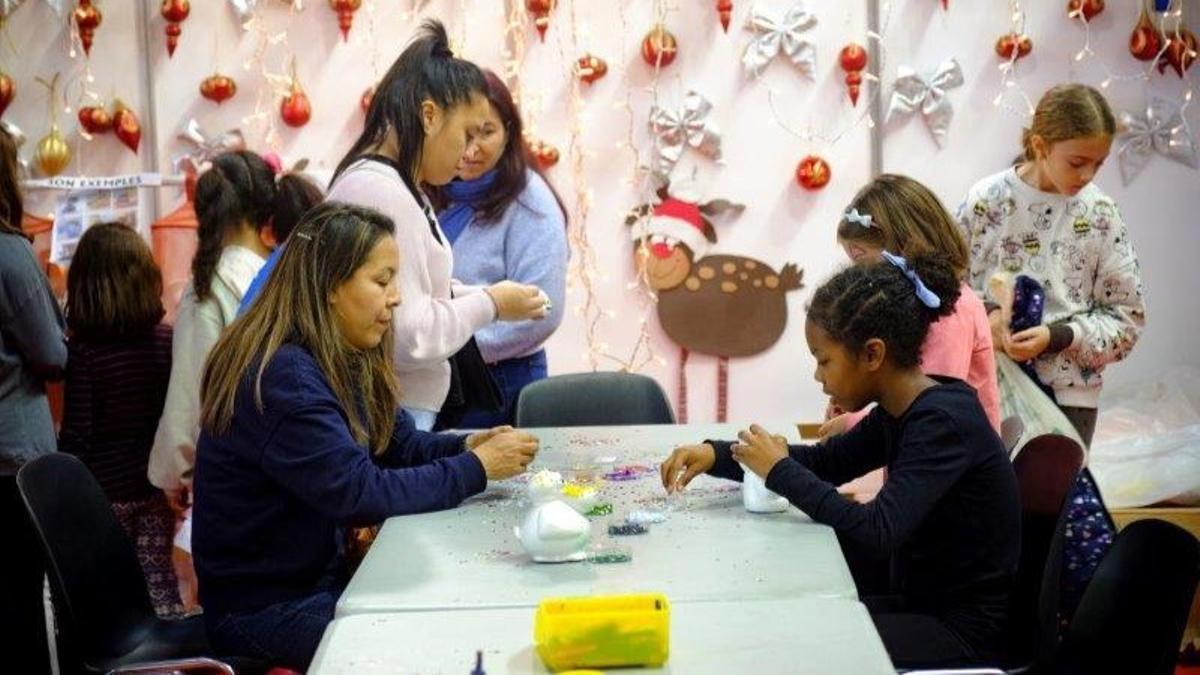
(505, 221)
(425, 116)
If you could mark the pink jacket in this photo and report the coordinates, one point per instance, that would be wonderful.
(960, 345)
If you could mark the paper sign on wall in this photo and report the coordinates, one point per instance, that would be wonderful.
(78, 210)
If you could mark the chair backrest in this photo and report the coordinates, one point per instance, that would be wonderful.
(1011, 431)
(1046, 469)
(1132, 614)
(102, 605)
(593, 399)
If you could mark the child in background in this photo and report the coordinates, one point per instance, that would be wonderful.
(235, 200)
(1044, 218)
(898, 214)
(947, 521)
(295, 195)
(119, 362)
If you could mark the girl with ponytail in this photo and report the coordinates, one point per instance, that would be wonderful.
(235, 201)
(426, 115)
(947, 522)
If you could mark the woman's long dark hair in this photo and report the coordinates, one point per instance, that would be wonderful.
(12, 208)
(240, 187)
(426, 69)
(515, 160)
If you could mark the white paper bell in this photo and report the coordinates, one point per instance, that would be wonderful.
(554, 532)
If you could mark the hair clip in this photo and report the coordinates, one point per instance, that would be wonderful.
(926, 296)
(863, 219)
(303, 235)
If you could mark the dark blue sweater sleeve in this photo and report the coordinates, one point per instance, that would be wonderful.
(412, 447)
(312, 454)
(929, 461)
(838, 459)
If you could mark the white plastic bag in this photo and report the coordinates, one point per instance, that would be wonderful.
(1021, 396)
(1147, 444)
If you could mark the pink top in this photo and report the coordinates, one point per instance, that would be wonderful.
(960, 345)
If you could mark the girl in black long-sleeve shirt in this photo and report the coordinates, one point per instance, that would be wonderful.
(947, 520)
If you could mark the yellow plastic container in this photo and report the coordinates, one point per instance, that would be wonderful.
(603, 631)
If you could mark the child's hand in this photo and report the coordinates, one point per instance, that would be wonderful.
(832, 411)
(1027, 344)
(759, 450)
(684, 464)
(835, 426)
(479, 437)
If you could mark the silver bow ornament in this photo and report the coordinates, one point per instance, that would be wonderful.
(1161, 130)
(914, 92)
(676, 130)
(776, 34)
(9, 6)
(204, 147)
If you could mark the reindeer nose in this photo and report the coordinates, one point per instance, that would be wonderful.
(661, 250)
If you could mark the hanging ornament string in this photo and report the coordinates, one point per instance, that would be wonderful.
(831, 138)
(1008, 69)
(273, 85)
(1087, 55)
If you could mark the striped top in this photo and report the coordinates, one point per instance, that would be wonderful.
(114, 397)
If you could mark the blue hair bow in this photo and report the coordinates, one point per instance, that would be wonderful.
(926, 296)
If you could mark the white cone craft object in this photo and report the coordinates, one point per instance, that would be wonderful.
(553, 532)
(757, 498)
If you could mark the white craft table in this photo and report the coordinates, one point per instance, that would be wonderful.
(709, 549)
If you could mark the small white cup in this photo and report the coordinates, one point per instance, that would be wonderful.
(757, 498)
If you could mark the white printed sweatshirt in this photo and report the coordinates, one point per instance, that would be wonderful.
(1079, 249)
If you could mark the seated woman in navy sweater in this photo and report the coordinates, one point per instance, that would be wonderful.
(947, 521)
(303, 436)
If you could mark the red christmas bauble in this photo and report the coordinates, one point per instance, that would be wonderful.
(95, 120)
(659, 47)
(88, 19)
(540, 9)
(295, 108)
(543, 153)
(218, 88)
(813, 173)
(1014, 44)
(725, 13)
(591, 68)
(127, 127)
(1144, 41)
(8, 91)
(174, 11)
(1085, 8)
(345, 11)
(853, 57)
(1180, 53)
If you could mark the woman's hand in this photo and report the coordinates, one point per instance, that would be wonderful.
(506, 454)
(480, 437)
(685, 463)
(518, 302)
(759, 451)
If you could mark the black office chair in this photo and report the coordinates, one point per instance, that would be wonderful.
(1133, 613)
(1046, 471)
(593, 399)
(105, 620)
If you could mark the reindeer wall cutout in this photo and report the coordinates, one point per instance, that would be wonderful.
(722, 305)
